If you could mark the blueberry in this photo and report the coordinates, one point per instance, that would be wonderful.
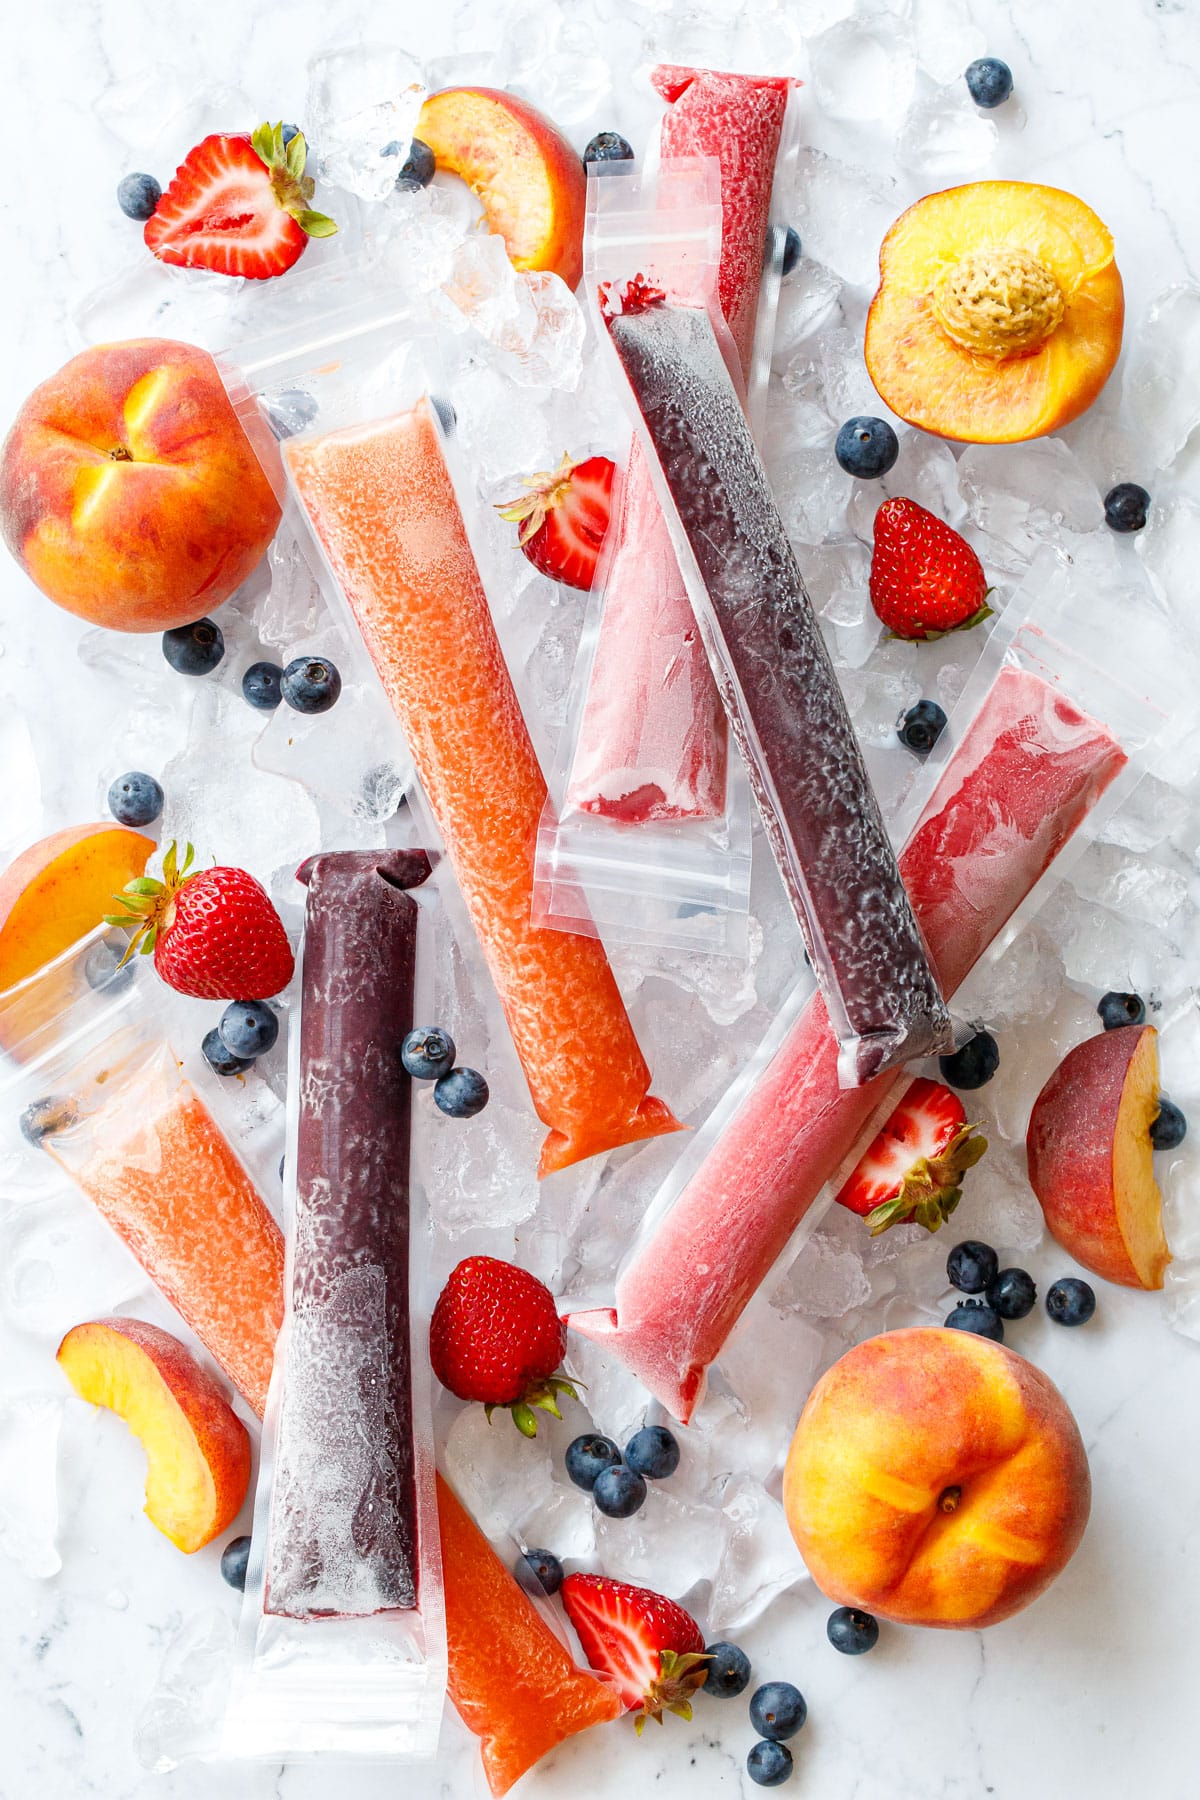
(447, 417)
(1071, 1301)
(619, 1492)
(418, 168)
(461, 1094)
(769, 1764)
(922, 726)
(1170, 1127)
(653, 1452)
(428, 1053)
(971, 1266)
(288, 133)
(1126, 507)
(979, 1317)
(194, 649)
(135, 798)
(137, 196)
(588, 1456)
(866, 447)
(235, 1559)
(777, 1710)
(290, 412)
(220, 1058)
(989, 81)
(539, 1572)
(1121, 1009)
(282, 1166)
(46, 1118)
(102, 965)
(1012, 1293)
(852, 1631)
(973, 1064)
(310, 684)
(248, 1027)
(260, 686)
(792, 248)
(608, 146)
(728, 1671)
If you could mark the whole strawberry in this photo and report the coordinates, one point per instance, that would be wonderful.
(925, 579)
(496, 1336)
(214, 934)
(652, 1649)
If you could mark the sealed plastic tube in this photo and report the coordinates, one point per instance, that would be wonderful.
(1023, 774)
(785, 706)
(100, 1090)
(342, 1642)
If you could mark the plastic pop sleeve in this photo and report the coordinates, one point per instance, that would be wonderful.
(374, 484)
(342, 1640)
(1033, 756)
(785, 706)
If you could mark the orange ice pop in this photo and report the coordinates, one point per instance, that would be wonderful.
(383, 507)
(170, 1186)
(511, 1681)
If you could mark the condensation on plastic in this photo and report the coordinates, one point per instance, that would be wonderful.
(371, 1683)
(709, 1238)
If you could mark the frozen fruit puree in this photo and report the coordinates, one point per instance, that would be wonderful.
(652, 742)
(785, 706)
(168, 1182)
(343, 1531)
(381, 501)
(1028, 770)
(511, 1680)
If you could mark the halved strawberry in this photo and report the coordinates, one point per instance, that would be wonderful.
(652, 1649)
(563, 518)
(913, 1169)
(238, 205)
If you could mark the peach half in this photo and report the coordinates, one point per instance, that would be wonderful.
(197, 1449)
(999, 312)
(1091, 1160)
(59, 889)
(530, 180)
(936, 1478)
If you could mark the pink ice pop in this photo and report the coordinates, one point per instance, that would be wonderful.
(1028, 770)
(652, 742)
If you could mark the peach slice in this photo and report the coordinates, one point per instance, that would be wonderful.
(1091, 1161)
(999, 312)
(59, 889)
(197, 1449)
(530, 180)
(936, 1478)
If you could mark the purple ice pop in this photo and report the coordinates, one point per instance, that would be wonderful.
(775, 678)
(343, 1523)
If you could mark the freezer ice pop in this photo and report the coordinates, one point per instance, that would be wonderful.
(783, 699)
(381, 502)
(652, 742)
(511, 1680)
(1029, 768)
(166, 1179)
(342, 1537)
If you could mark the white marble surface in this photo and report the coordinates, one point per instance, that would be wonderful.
(1089, 1693)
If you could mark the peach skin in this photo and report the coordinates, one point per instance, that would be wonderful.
(197, 1449)
(999, 312)
(936, 1478)
(530, 180)
(128, 490)
(1091, 1159)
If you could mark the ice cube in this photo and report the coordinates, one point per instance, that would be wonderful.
(551, 54)
(824, 1282)
(61, 1263)
(483, 1173)
(1023, 984)
(1150, 814)
(926, 471)
(293, 608)
(812, 493)
(946, 38)
(531, 319)
(29, 1428)
(842, 213)
(615, 1398)
(862, 69)
(505, 443)
(1023, 495)
(498, 1475)
(562, 1520)
(1162, 381)
(182, 1717)
(944, 136)
(809, 299)
(759, 1559)
(998, 1205)
(360, 100)
(1138, 887)
(671, 1545)
(764, 1372)
(1169, 547)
